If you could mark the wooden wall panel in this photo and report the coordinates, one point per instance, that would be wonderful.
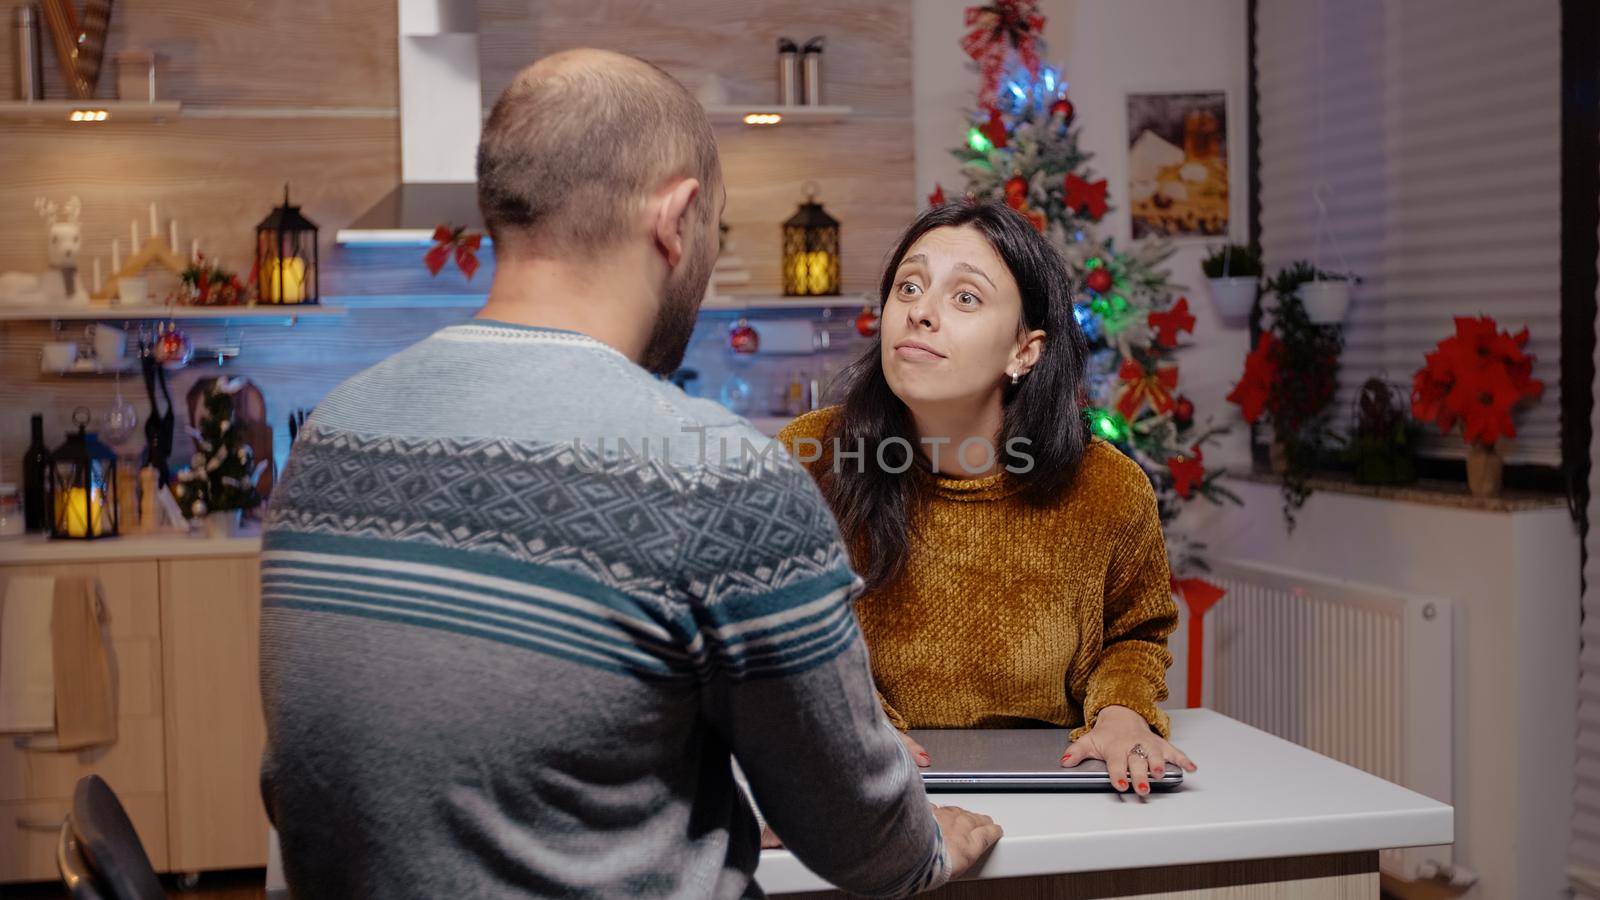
(219, 176)
(867, 63)
(274, 53)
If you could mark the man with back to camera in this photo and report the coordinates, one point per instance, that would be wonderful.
(501, 658)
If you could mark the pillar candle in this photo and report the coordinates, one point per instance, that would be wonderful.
(172, 235)
(194, 250)
(97, 274)
(84, 510)
(133, 248)
(116, 257)
(155, 227)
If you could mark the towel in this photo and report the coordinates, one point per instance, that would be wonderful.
(86, 708)
(27, 666)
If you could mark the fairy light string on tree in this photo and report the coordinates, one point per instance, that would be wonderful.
(1022, 149)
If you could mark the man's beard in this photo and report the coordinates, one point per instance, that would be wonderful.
(680, 304)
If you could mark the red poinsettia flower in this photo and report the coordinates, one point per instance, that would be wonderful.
(937, 197)
(1085, 198)
(1188, 472)
(1428, 391)
(994, 129)
(1141, 386)
(1484, 400)
(1255, 386)
(1475, 377)
(1017, 192)
(1172, 322)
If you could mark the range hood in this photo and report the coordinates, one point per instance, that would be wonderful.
(441, 120)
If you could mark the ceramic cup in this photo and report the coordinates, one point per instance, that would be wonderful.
(110, 344)
(58, 356)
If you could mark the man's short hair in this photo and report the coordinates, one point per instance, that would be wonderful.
(575, 145)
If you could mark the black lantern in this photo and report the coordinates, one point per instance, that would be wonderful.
(811, 250)
(286, 256)
(81, 490)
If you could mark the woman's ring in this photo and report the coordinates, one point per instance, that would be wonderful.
(1138, 750)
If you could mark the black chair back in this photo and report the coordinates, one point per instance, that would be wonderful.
(117, 865)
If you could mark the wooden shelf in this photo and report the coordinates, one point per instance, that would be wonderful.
(61, 111)
(788, 115)
(94, 313)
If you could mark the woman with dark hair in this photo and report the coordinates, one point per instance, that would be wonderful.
(1015, 569)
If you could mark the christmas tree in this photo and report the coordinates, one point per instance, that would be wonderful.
(223, 472)
(1022, 149)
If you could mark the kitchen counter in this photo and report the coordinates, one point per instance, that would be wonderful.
(40, 549)
(1255, 797)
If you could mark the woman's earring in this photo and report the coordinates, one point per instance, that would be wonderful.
(1015, 377)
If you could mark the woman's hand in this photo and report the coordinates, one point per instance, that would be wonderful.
(1117, 731)
(917, 753)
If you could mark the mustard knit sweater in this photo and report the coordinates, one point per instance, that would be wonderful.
(1007, 614)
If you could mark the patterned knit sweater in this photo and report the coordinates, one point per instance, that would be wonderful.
(1008, 614)
(521, 604)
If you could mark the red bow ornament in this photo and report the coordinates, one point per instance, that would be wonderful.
(997, 29)
(1172, 322)
(1141, 386)
(457, 242)
(1085, 198)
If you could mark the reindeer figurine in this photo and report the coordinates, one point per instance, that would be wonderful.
(63, 284)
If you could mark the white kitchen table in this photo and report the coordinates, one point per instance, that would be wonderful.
(1261, 818)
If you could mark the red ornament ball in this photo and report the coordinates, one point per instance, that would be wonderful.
(867, 323)
(1183, 411)
(173, 350)
(1064, 109)
(1098, 280)
(742, 338)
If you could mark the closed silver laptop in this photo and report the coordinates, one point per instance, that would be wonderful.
(1015, 759)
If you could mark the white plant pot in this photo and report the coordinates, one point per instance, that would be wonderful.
(1233, 297)
(1326, 302)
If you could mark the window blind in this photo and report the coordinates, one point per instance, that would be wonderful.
(1431, 131)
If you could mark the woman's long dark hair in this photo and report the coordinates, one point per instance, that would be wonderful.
(875, 507)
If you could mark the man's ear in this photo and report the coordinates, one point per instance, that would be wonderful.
(672, 219)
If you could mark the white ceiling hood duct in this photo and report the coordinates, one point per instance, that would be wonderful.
(441, 119)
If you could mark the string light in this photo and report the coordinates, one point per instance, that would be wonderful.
(89, 115)
(763, 119)
(977, 141)
(1108, 425)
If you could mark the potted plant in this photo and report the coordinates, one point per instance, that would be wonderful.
(1475, 378)
(1383, 438)
(220, 483)
(1289, 379)
(1327, 297)
(1233, 274)
(206, 283)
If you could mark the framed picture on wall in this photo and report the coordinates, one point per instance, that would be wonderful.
(1178, 164)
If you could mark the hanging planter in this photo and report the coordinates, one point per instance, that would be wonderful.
(1233, 298)
(1233, 274)
(1326, 302)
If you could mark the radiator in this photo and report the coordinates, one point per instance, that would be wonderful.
(1357, 673)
